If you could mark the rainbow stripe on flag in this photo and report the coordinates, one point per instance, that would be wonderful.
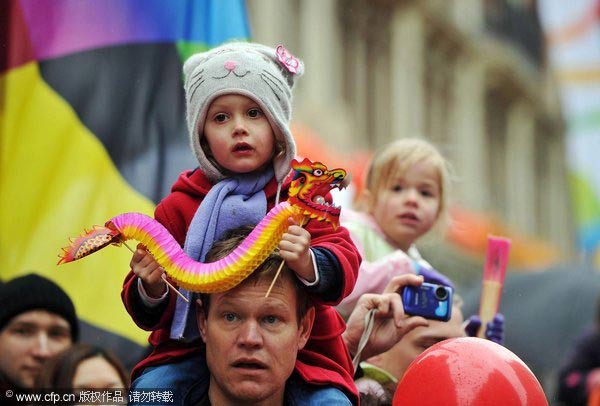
(92, 124)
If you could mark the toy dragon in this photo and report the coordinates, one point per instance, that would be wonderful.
(311, 182)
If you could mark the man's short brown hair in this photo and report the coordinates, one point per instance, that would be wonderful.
(266, 270)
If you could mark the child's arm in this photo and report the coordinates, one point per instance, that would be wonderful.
(337, 261)
(373, 277)
(294, 248)
(316, 267)
(146, 312)
(149, 272)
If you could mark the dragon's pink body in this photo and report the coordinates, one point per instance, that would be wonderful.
(206, 277)
(312, 180)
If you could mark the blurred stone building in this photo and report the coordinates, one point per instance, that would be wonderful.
(467, 74)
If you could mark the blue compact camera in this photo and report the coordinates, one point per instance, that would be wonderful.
(429, 300)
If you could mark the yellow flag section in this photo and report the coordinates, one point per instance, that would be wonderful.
(56, 179)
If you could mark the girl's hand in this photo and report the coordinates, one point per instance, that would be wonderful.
(149, 271)
(294, 248)
(433, 276)
(494, 330)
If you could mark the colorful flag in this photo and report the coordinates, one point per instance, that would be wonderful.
(572, 31)
(92, 124)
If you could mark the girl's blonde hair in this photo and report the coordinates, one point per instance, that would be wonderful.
(393, 160)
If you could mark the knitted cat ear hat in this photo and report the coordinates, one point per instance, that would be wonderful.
(263, 74)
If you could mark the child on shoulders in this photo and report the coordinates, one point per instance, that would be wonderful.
(238, 111)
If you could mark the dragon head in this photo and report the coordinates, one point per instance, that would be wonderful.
(312, 181)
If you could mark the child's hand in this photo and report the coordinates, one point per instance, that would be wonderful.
(494, 330)
(294, 248)
(433, 276)
(149, 271)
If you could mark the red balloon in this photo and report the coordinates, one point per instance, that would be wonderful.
(468, 371)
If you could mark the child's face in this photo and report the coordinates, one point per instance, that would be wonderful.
(409, 206)
(238, 134)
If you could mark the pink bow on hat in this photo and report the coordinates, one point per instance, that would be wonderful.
(287, 59)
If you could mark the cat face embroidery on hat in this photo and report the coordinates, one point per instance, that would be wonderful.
(263, 74)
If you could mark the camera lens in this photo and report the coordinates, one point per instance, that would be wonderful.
(441, 293)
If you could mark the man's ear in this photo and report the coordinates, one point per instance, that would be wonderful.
(306, 325)
(201, 319)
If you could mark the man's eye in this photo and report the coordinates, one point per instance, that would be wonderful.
(229, 317)
(23, 331)
(59, 334)
(255, 113)
(271, 319)
(221, 117)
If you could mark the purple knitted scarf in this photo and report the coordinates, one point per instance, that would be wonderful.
(233, 202)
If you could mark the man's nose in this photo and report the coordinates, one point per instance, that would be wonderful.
(41, 346)
(250, 334)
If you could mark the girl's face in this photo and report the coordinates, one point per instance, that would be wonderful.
(238, 133)
(96, 372)
(408, 208)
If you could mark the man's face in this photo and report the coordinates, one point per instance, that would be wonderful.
(252, 341)
(399, 357)
(27, 341)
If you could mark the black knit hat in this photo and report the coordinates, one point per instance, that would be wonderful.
(33, 292)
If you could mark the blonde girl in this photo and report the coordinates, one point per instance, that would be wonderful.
(405, 196)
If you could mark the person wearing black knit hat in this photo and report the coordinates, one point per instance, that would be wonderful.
(37, 321)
